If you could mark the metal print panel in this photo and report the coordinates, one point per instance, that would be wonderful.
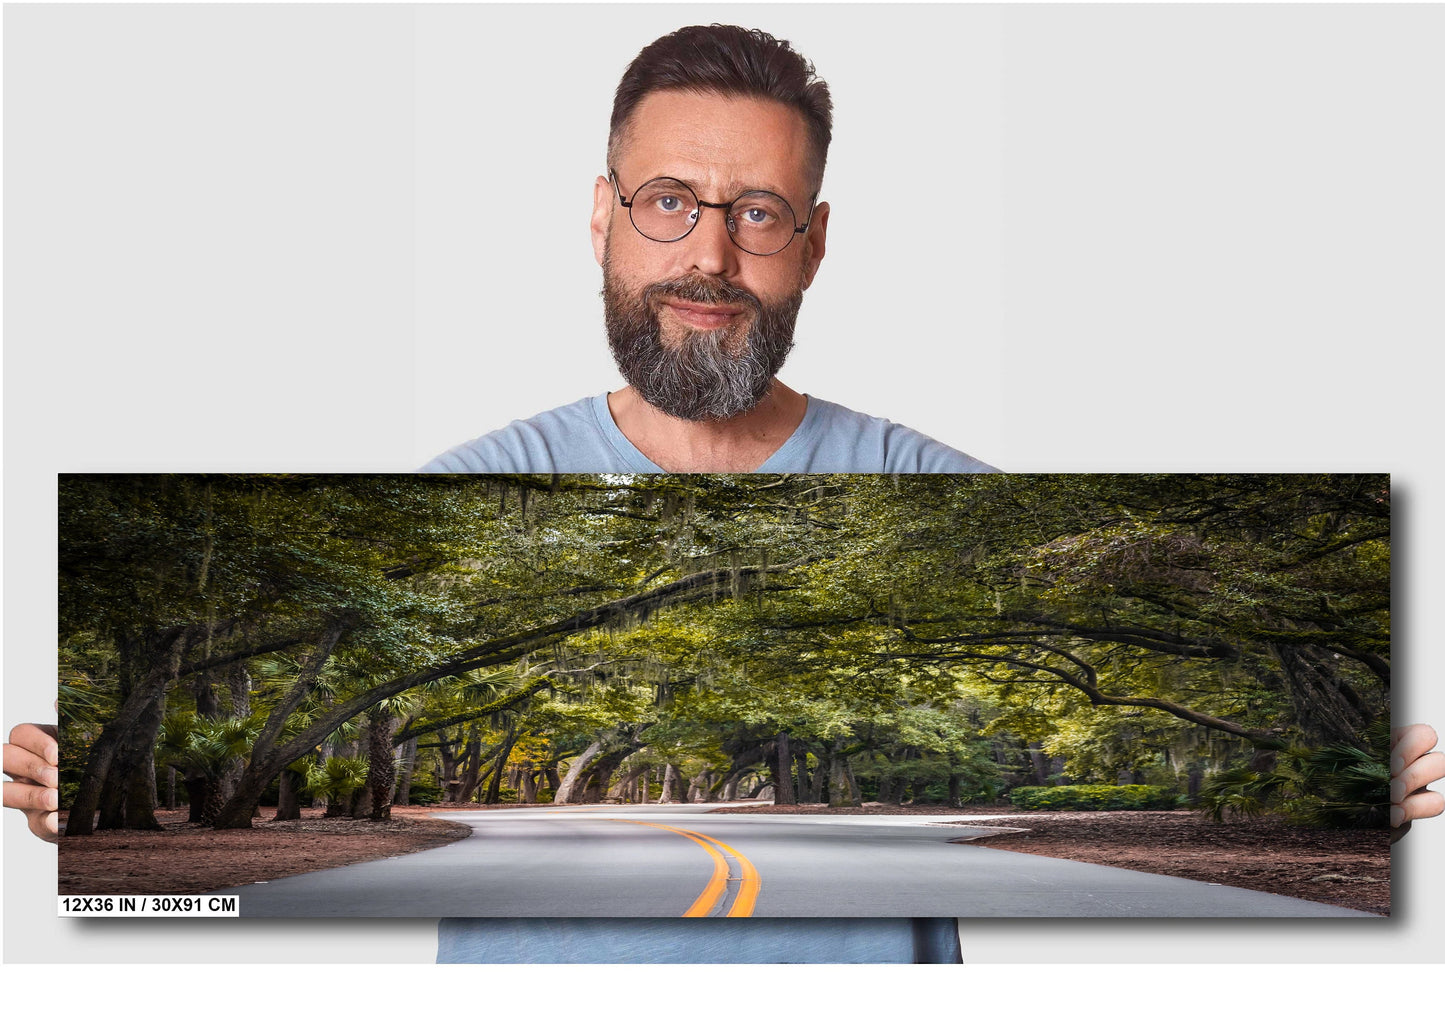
(725, 695)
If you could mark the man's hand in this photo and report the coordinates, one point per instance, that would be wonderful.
(32, 759)
(1412, 768)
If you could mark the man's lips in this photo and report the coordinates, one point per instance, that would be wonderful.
(702, 315)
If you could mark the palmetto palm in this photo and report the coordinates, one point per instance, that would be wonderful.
(336, 780)
(1333, 786)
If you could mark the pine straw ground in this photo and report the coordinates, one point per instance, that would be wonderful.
(1346, 868)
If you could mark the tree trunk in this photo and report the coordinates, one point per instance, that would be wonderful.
(625, 788)
(1196, 778)
(504, 754)
(448, 778)
(563, 791)
(885, 789)
(408, 765)
(380, 767)
(839, 793)
(288, 800)
(270, 755)
(670, 780)
(197, 790)
(471, 768)
(1326, 708)
(128, 799)
(1040, 764)
(238, 689)
(818, 782)
(601, 774)
(783, 772)
(140, 795)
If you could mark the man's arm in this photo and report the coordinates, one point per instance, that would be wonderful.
(32, 759)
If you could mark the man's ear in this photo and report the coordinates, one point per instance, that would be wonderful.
(601, 216)
(815, 241)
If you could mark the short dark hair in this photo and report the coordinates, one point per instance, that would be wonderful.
(731, 61)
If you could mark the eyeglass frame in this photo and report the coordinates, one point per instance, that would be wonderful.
(797, 229)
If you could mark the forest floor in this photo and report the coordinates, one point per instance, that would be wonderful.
(1346, 868)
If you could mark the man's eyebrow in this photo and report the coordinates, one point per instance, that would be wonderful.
(732, 192)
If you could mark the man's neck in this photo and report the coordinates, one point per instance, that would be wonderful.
(738, 444)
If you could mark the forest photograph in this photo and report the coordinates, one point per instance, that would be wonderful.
(727, 695)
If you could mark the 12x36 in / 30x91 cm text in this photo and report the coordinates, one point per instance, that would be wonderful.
(149, 906)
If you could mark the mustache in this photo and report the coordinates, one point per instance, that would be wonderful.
(700, 289)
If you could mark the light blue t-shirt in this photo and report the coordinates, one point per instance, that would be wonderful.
(582, 438)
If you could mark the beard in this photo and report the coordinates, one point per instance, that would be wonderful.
(705, 375)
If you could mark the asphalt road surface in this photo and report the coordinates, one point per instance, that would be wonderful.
(672, 861)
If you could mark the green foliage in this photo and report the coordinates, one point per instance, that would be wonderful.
(921, 629)
(424, 792)
(338, 778)
(1094, 797)
(204, 745)
(1334, 786)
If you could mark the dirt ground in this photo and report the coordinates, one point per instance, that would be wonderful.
(1346, 868)
(189, 858)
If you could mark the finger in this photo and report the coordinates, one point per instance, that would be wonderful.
(1428, 769)
(1409, 744)
(1414, 807)
(27, 764)
(41, 734)
(45, 825)
(22, 796)
(40, 740)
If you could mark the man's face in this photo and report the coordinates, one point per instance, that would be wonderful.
(698, 326)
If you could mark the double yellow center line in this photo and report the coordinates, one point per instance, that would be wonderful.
(707, 903)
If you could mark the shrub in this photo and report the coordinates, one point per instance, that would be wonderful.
(1095, 797)
(1334, 786)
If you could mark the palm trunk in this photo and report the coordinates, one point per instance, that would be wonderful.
(380, 768)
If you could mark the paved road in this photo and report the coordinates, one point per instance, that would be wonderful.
(667, 861)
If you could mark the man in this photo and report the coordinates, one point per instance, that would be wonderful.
(708, 230)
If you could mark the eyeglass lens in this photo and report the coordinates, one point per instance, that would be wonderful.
(665, 210)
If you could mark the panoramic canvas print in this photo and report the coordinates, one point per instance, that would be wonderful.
(725, 695)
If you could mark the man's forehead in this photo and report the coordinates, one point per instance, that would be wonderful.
(722, 142)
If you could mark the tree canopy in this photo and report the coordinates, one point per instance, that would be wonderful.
(838, 637)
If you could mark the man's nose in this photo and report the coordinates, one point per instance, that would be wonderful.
(709, 248)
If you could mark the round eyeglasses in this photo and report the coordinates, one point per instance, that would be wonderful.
(759, 222)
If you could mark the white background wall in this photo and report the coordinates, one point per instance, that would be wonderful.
(1063, 238)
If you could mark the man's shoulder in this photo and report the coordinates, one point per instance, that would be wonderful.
(567, 438)
(581, 437)
(834, 438)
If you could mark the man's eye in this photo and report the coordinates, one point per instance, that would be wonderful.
(669, 204)
(756, 216)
